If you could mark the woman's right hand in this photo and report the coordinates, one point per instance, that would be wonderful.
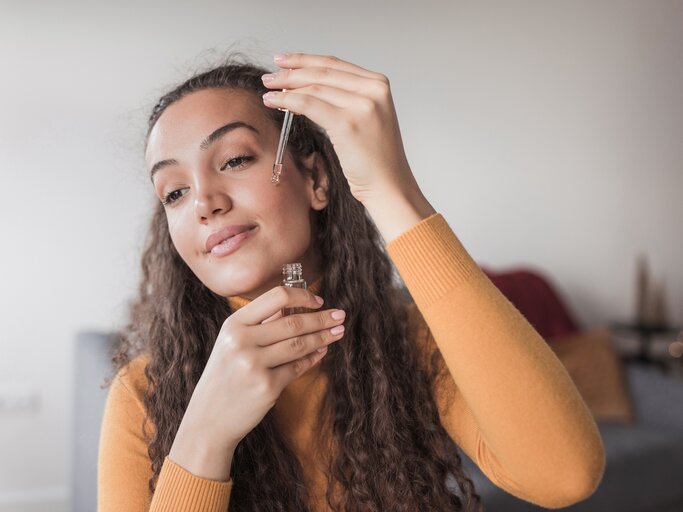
(256, 355)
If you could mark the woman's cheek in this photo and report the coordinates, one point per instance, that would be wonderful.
(179, 241)
(172, 221)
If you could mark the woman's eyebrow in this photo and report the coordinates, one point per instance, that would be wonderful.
(213, 136)
(218, 133)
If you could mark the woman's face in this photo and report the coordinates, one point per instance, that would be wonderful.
(218, 174)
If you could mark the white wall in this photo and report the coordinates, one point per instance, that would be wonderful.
(547, 133)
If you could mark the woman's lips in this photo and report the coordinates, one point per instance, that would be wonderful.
(223, 234)
(232, 244)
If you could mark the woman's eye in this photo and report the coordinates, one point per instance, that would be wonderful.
(233, 163)
(172, 197)
(237, 162)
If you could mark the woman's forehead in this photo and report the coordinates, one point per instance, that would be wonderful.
(194, 117)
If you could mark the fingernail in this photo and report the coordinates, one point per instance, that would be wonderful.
(338, 329)
(322, 349)
(339, 314)
(268, 77)
(280, 56)
(319, 299)
(270, 95)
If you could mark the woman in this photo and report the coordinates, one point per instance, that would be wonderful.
(221, 403)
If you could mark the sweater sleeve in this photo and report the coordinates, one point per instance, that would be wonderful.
(506, 400)
(124, 466)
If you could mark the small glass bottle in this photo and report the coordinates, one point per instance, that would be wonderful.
(293, 277)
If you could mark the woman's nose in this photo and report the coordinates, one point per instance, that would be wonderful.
(210, 199)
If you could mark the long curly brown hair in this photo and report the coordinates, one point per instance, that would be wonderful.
(392, 451)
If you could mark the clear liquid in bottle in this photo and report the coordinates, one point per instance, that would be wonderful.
(293, 277)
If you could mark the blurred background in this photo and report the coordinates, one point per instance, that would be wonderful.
(548, 134)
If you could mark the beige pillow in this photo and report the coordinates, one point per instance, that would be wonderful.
(597, 372)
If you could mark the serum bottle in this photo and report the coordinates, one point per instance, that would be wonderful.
(293, 277)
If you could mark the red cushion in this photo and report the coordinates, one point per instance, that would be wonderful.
(534, 297)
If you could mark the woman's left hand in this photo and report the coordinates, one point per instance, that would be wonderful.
(356, 109)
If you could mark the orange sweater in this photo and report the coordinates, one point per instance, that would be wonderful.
(508, 403)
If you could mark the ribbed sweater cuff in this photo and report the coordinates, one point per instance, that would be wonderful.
(428, 245)
(179, 490)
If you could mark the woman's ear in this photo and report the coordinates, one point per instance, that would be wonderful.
(317, 181)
